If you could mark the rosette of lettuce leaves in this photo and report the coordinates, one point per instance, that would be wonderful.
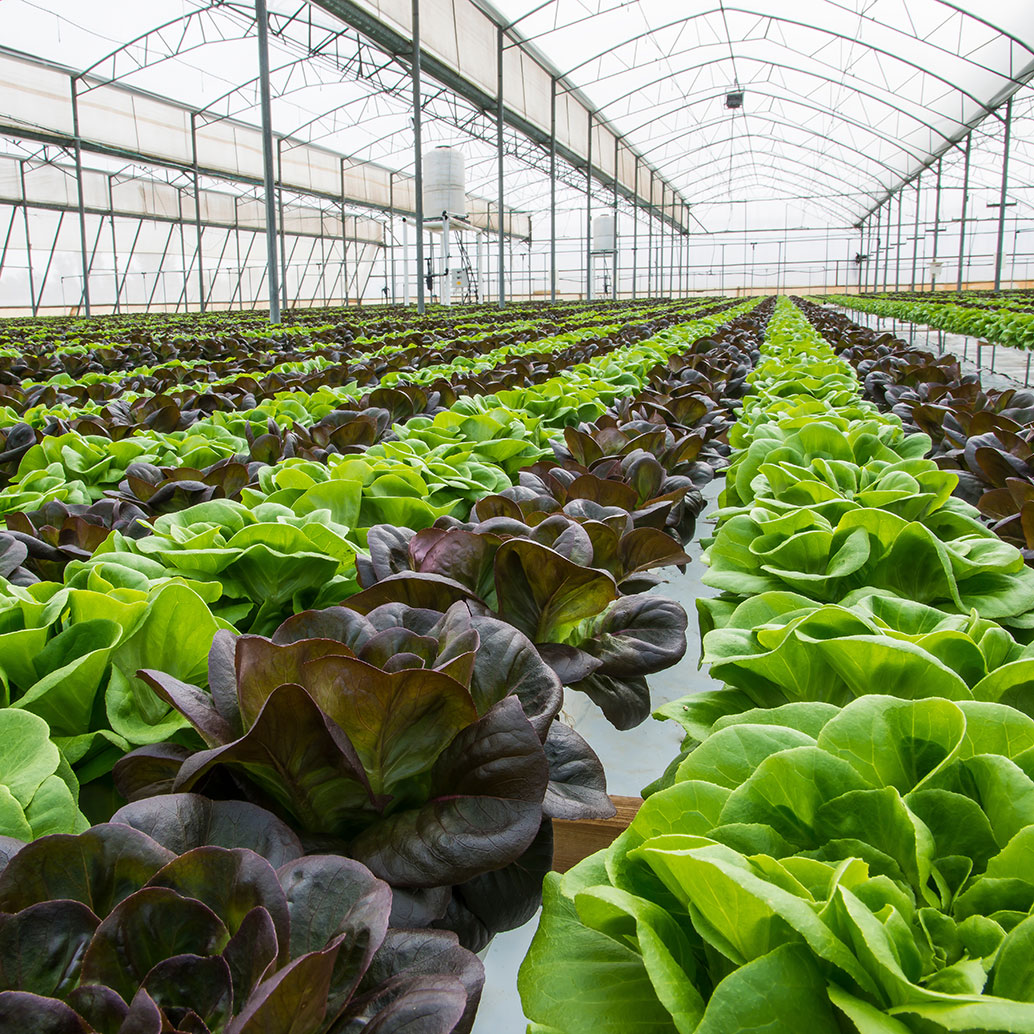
(424, 744)
(861, 870)
(184, 916)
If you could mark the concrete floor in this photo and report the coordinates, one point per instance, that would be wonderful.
(631, 760)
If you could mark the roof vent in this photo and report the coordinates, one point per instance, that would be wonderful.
(734, 99)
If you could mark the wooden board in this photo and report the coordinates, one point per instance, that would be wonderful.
(573, 841)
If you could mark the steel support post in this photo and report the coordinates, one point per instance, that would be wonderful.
(999, 250)
(284, 262)
(405, 262)
(418, 160)
(114, 242)
(635, 231)
(81, 196)
(876, 251)
(262, 25)
(614, 275)
(936, 226)
(552, 191)
(660, 245)
(915, 235)
(391, 206)
(499, 167)
(588, 216)
(897, 250)
(446, 292)
(197, 209)
(344, 240)
(28, 242)
(886, 250)
(649, 243)
(962, 220)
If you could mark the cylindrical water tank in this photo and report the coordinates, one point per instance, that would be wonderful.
(445, 183)
(604, 237)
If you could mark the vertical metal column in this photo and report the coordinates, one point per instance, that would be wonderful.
(82, 198)
(418, 161)
(965, 203)
(915, 235)
(28, 242)
(446, 291)
(284, 260)
(897, 250)
(499, 159)
(886, 250)
(588, 215)
(114, 242)
(635, 230)
(1001, 200)
(660, 247)
(344, 240)
(405, 262)
(876, 250)
(197, 209)
(552, 191)
(936, 225)
(262, 24)
(391, 205)
(614, 276)
(649, 242)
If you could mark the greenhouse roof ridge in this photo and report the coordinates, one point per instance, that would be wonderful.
(897, 83)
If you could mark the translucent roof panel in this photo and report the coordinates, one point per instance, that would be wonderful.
(842, 99)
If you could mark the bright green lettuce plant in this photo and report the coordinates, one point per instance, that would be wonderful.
(861, 870)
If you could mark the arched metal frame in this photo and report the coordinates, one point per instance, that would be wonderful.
(207, 25)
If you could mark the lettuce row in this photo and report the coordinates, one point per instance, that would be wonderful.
(819, 853)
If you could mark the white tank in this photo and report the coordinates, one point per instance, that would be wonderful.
(603, 235)
(445, 183)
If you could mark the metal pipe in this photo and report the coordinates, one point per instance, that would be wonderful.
(391, 205)
(499, 161)
(82, 199)
(897, 250)
(344, 244)
(552, 190)
(28, 242)
(1001, 200)
(114, 242)
(418, 184)
(635, 231)
(284, 261)
(915, 236)
(614, 275)
(405, 262)
(649, 243)
(936, 227)
(197, 209)
(262, 25)
(588, 216)
(446, 291)
(962, 221)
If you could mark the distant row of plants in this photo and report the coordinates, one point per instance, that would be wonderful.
(983, 435)
(1007, 325)
(842, 843)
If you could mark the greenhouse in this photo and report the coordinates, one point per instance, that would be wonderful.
(516, 517)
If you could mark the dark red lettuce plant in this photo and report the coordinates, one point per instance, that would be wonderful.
(187, 916)
(421, 743)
